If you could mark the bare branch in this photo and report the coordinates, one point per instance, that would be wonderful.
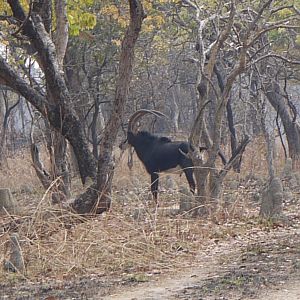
(297, 10)
(235, 156)
(284, 22)
(259, 14)
(290, 61)
(277, 9)
(221, 39)
(191, 4)
(263, 31)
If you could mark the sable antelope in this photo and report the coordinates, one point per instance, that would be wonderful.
(158, 154)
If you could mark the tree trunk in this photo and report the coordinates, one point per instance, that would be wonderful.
(230, 119)
(290, 124)
(61, 30)
(3, 132)
(272, 198)
(60, 169)
(270, 140)
(40, 170)
(271, 206)
(207, 63)
(97, 198)
(94, 126)
(174, 107)
(58, 176)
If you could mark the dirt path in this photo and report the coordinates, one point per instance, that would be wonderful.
(168, 287)
(171, 288)
(290, 291)
(265, 268)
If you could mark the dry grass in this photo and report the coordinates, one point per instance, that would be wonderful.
(58, 244)
(18, 173)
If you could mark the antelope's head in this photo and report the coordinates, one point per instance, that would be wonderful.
(132, 130)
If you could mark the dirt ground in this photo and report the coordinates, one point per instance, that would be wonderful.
(264, 265)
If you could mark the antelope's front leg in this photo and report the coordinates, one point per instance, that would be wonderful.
(188, 171)
(154, 185)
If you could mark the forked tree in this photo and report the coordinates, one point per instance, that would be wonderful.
(54, 103)
(233, 27)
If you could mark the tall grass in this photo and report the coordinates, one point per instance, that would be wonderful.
(59, 244)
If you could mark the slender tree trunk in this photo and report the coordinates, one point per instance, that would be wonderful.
(230, 119)
(270, 140)
(94, 126)
(62, 31)
(289, 121)
(272, 197)
(97, 197)
(174, 108)
(204, 87)
(3, 132)
(60, 168)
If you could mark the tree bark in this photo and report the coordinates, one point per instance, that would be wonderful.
(61, 32)
(59, 162)
(174, 107)
(272, 199)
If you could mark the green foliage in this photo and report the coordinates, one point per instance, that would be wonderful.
(5, 8)
(81, 21)
(81, 16)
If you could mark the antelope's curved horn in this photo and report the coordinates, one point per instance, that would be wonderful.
(138, 114)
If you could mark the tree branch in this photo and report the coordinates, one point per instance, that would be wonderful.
(290, 61)
(11, 79)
